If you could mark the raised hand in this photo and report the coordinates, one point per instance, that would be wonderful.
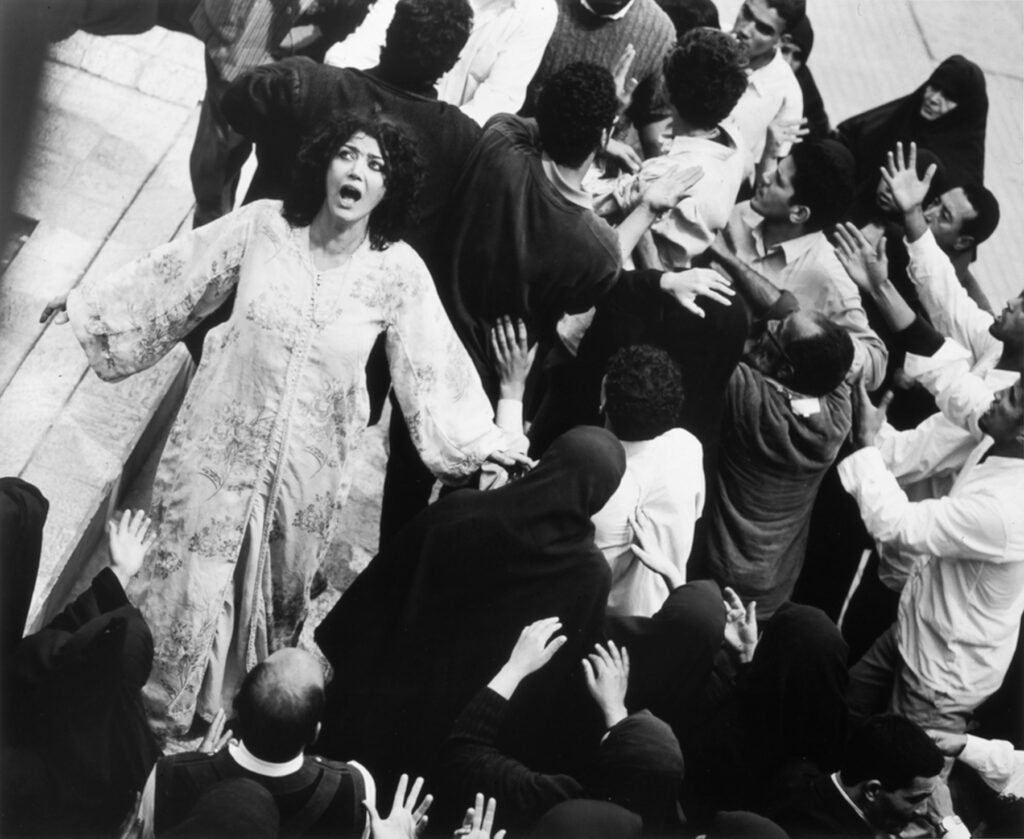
(607, 674)
(479, 820)
(949, 744)
(535, 647)
(129, 541)
(623, 154)
(782, 132)
(57, 309)
(908, 190)
(867, 419)
(867, 266)
(406, 820)
(686, 286)
(740, 625)
(671, 187)
(513, 356)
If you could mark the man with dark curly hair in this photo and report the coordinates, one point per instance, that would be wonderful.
(705, 79)
(522, 239)
(661, 496)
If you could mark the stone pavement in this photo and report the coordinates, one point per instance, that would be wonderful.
(108, 179)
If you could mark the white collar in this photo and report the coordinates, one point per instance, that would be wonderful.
(856, 809)
(621, 13)
(247, 760)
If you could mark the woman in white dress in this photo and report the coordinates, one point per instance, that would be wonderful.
(254, 471)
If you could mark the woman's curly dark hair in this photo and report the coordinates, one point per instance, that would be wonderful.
(403, 176)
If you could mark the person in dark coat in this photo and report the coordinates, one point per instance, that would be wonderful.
(946, 115)
(78, 746)
(432, 616)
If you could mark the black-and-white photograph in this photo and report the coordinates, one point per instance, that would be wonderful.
(512, 419)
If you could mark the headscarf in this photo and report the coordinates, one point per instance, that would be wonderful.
(586, 819)
(239, 807)
(640, 767)
(740, 824)
(83, 714)
(957, 137)
(796, 688)
(23, 510)
(435, 615)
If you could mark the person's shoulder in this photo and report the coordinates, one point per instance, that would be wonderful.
(326, 764)
(653, 17)
(516, 130)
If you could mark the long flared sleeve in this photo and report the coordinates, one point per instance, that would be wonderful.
(127, 321)
(450, 419)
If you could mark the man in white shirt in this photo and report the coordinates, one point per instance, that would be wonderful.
(779, 234)
(773, 93)
(959, 613)
(494, 68)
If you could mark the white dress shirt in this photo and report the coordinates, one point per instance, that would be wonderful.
(662, 496)
(961, 607)
(772, 91)
(1000, 765)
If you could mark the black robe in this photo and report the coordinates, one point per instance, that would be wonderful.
(435, 615)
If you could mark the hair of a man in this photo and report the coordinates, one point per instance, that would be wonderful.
(643, 390)
(689, 14)
(278, 717)
(822, 181)
(986, 206)
(575, 107)
(821, 361)
(705, 76)
(892, 750)
(791, 11)
(425, 37)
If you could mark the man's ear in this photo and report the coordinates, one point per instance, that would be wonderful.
(606, 135)
(871, 789)
(316, 734)
(963, 243)
(799, 213)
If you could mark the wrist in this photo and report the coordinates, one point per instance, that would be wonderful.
(512, 390)
(123, 577)
(914, 223)
(614, 714)
(506, 681)
(953, 827)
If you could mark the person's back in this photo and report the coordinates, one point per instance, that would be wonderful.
(521, 239)
(779, 436)
(279, 708)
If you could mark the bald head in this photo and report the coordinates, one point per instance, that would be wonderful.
(280, 704)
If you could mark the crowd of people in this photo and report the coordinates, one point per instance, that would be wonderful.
(730, 540)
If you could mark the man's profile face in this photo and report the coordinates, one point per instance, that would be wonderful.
(946, 216)
(1004, 418)
(774, 197)
(891, 812)
(608, 7)
(1009, 323)
(766, 349)
(758, 28)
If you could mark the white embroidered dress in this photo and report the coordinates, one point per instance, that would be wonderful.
(253, 473)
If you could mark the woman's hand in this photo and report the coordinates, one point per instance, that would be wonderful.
(513, 356)
(129, 539)
(216, 737)
(607, 673)
(406, 820)
(535, 647)
(479, 820)
(653, 558)
(57, 309)
(625, 84)
(686, 286)
(740, 625)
